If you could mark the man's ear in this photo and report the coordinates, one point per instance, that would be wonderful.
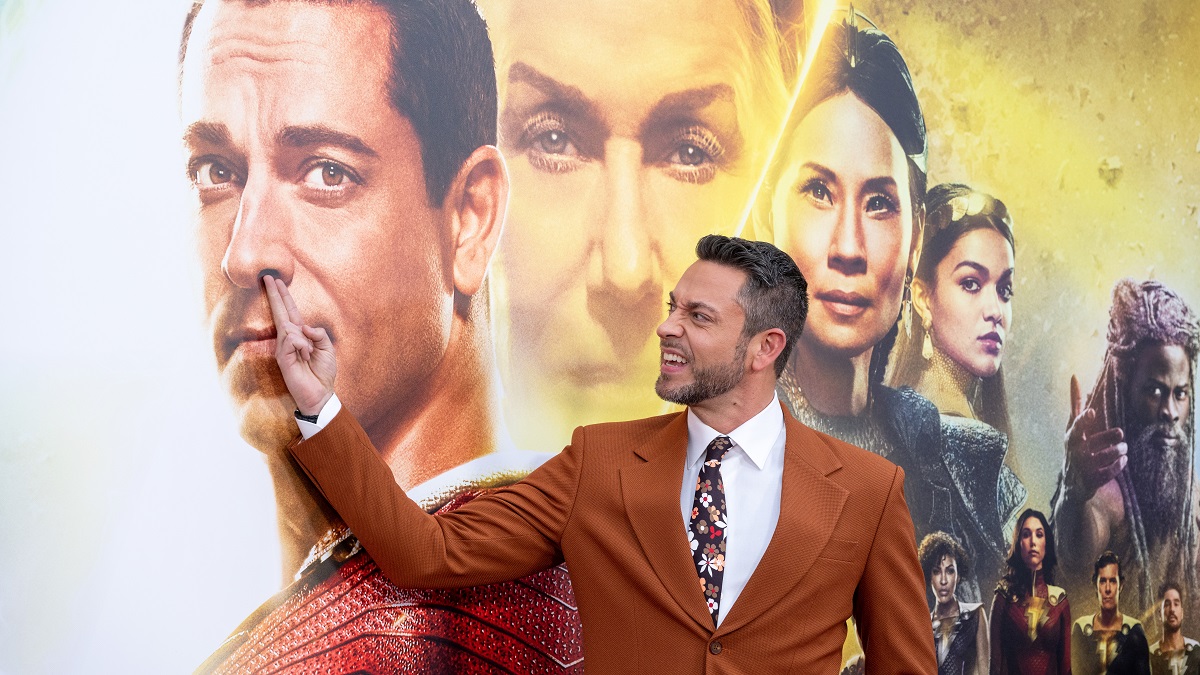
(765, 348)
(475, 207)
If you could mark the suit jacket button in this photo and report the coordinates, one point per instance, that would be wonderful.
(715, 647)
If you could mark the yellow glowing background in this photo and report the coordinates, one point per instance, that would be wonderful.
(138, 529)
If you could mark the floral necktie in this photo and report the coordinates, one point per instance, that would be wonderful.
(706, 533)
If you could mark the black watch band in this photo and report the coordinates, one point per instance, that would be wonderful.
(311, 419)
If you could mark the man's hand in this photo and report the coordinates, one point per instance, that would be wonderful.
(304, 353)
(1094, 456)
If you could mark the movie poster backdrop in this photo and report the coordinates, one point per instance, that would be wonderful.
(142, 526)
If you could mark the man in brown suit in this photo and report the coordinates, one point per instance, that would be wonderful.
(840, 536)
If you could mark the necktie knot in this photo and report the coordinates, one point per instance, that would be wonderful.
(717, 448)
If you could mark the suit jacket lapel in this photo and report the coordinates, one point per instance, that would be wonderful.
(809, 508)
(650, 491)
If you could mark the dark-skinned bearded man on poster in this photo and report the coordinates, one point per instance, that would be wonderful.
(789, 532)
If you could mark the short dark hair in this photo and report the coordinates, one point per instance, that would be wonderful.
(937, 545)
(1107, 558)
(775, 294)
(1170, 586)
(443, 79)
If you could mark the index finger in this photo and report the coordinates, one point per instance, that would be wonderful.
(279, 311)
(293, 312)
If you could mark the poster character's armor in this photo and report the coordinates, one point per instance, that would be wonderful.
(1123, 651)
(342, 615)
(1184, 661)
(1031, 633)
(956, 640)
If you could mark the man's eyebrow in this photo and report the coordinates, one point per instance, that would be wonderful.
(207, 133)
(564, 94)
(308, 136)
(692, 305)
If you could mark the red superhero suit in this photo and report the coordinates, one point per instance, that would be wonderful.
(342, 615)
(1031, 633)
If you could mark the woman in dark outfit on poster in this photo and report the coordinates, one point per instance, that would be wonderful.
(846, 202)
(1031, 618)
(960, 629)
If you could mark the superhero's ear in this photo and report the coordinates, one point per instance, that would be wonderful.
(475, 206)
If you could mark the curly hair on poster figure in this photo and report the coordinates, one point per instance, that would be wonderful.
(960, 629)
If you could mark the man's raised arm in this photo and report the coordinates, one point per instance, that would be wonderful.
(491, 539)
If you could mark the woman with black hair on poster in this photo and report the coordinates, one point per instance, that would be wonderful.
(1031, 618)
(846, 202)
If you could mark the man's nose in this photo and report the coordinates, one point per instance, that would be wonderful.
(669, 328)
(261, 239)
(1170, 409)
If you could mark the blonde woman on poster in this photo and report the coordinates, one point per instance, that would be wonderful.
(630, 129)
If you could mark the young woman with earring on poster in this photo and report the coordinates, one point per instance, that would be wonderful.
(951, 348)
(846, 201)
(960, 629)
(1031, 618)
(962, 299)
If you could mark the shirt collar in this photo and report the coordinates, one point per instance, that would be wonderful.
(756, 437)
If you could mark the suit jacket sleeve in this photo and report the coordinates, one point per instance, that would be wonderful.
(501, 536)
(889, 604)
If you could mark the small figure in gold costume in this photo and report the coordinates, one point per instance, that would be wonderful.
(1109, 642)
(1174, 654)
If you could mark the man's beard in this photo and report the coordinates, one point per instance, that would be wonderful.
(1161, 477)
(707, 382)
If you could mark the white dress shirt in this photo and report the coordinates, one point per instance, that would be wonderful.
(752, 472)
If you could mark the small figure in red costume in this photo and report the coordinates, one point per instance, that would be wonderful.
(1031, 618)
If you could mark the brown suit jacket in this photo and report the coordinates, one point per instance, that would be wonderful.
(609, 505)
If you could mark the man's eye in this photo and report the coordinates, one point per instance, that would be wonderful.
(693, 156)
(212, 173)
(328, 175)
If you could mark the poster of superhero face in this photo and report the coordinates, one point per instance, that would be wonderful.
(996, 207)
